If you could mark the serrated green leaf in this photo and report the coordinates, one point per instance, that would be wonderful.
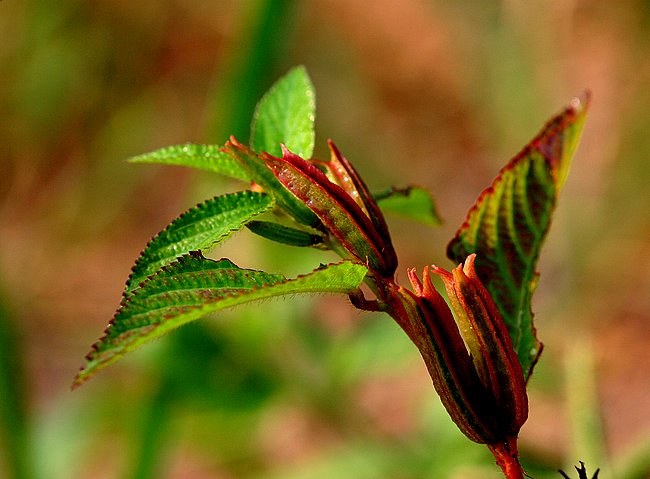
(199, 228)
(508, 223)
(284, 234)
(204, 157)
(413, 202)
(285, 115)
(194, 286)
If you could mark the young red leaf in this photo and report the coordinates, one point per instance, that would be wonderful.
(337, 210)
(345, 175)
(261, 175)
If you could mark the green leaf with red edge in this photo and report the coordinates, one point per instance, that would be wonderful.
(201, 227)
(204, 157)
(341, 172)
(261, 175)
(508, 223)
(413, 202)
(194, 286)
(340, 214)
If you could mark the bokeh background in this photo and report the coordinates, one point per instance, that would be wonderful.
(413, 91)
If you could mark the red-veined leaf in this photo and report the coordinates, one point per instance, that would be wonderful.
(508, 223)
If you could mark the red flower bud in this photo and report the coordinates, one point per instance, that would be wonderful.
(474, 367)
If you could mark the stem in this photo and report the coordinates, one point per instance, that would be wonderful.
(359, 301)
(508, 458)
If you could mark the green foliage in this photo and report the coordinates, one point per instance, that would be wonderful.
(167, 289)
(506, 227)
(413, 202)
(194, 286)
(285, 115)
(198, 229)
(508, 223)
(203, 157)
(284, 234)
(327, 204)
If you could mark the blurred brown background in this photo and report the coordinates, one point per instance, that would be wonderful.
(413, 91)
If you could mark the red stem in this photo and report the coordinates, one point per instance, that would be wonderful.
(508, 458)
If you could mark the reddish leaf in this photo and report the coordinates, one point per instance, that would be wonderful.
(508, 223)
(337, 210)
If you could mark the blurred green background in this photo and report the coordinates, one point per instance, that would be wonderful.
(426, 91)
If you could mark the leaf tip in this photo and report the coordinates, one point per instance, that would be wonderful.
(78, 380)
(581, 102)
